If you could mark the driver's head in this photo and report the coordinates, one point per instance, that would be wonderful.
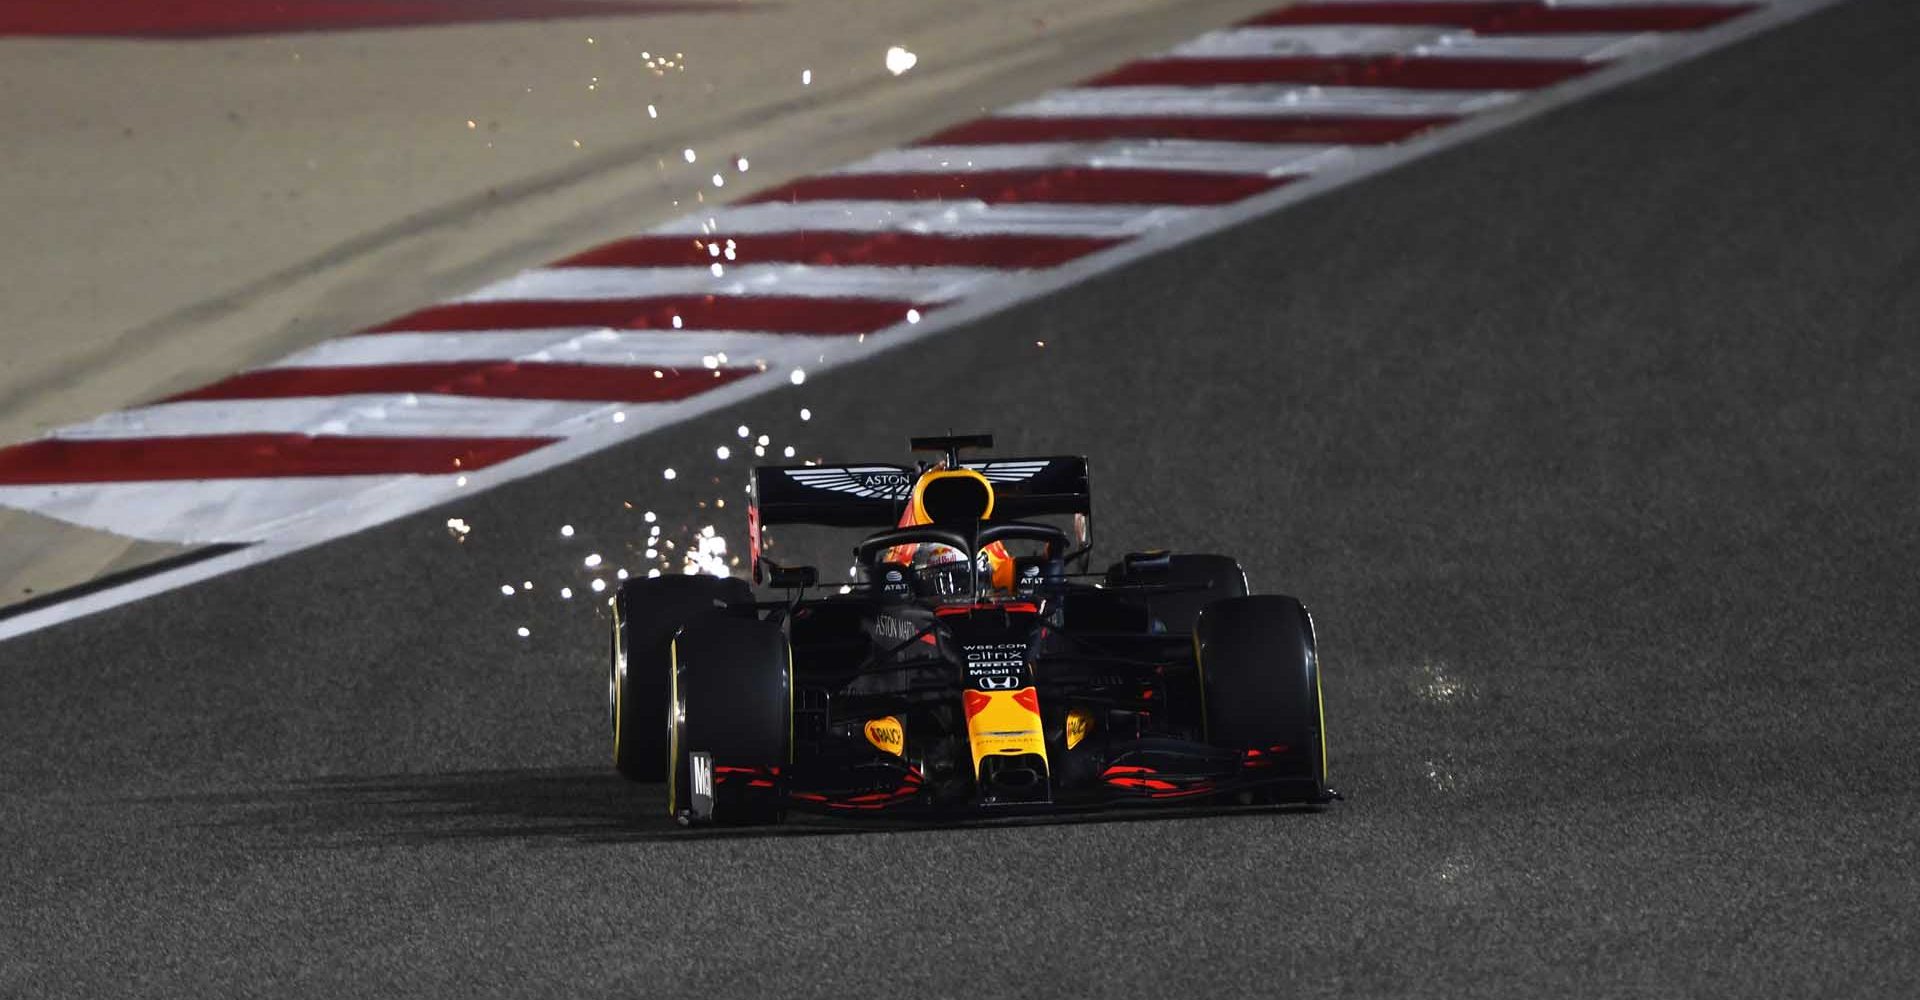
(956, 498)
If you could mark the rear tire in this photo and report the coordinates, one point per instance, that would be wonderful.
(1260, 685)
(732, 698)
(646, 615)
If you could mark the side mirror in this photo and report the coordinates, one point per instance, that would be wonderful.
(792, 577)
(1135, 565)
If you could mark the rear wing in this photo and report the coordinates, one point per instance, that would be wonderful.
(875, 495)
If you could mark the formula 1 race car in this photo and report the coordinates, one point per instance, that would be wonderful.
(966, 671)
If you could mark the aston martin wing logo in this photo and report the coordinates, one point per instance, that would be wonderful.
(1008, 472)
(890, 482)
(878, 482)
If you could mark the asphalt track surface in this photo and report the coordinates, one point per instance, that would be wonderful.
(1590, 444)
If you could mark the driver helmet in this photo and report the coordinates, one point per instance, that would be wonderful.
(942, 569)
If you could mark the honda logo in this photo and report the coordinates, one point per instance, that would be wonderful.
(1007, 683)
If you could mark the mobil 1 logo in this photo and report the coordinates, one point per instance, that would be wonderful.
(996, 666)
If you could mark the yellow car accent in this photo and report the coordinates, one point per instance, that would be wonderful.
(1320, 703)
(888, 734)
(1079, 724)
(918, 506)
(1004, 722)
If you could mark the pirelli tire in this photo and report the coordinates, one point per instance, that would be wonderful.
(1261, 692)
(732, 700)
(646, 615)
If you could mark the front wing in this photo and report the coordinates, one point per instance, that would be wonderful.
(1146, 772)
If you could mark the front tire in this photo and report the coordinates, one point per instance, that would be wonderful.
(732, 699)
(1260, 688)
(646, 616)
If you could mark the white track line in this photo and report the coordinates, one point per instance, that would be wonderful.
(1261, 159)
(359, 415)
(1256, 101)
(566, 345)
(947, 218)
(1574, 4)
(241, 508)
(558, 284)
(1382, 40)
